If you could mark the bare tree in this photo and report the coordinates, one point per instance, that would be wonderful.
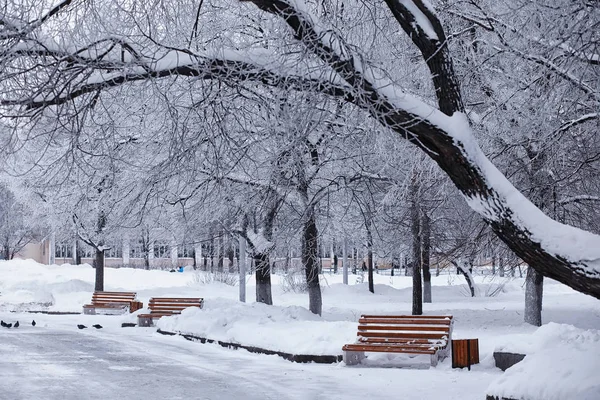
(443, 134)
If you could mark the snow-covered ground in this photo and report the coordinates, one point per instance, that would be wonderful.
(139, 363)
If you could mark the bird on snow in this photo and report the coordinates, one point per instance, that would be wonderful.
(3, 324)
(8, 325)
(17, 324)
(33, 323)
(97, 326)
(81, 326)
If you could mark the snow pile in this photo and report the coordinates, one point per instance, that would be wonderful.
(562, 363)
(28, 285)
(290, 329)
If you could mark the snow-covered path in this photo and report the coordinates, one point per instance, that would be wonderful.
(59, 364)
(55, 360)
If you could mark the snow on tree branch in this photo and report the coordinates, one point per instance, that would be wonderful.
(93, 69)
(578, 199)
(559, 251)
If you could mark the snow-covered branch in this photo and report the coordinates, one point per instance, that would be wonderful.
(488, 23)
(574, 122)
(419, 21)
(578, 199)
(85, 71)
(559, 251)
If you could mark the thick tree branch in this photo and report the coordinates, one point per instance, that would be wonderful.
(425, 30)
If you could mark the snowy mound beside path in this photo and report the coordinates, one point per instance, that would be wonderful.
(291, 329)
(562, 362)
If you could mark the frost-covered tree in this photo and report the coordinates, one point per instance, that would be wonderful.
(305, 52)
(19, 225)
(532, 86)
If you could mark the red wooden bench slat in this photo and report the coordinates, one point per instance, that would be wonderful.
(392, 321)
(175, 300)
(402, 328)
(439, 342)
(388, 349)
(408, 316)
(410, 335)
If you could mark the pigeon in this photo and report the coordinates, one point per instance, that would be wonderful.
(81, 326)
(97, 326)
(8, 325)
(33, 323)
(17, 324)
(3, 324)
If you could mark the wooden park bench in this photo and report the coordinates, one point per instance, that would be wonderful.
(112, 303)
(166, 306)
(411, 334)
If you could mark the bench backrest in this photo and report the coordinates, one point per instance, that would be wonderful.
(113, 297)
(173, 305)
(405, 329)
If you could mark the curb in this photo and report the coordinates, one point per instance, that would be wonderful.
(298, 358)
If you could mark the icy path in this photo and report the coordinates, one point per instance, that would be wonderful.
(55, 360)
(54, 364)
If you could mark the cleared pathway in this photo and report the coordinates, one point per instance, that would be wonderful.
(40, 363)
(56, 361)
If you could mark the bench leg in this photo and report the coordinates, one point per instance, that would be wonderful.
(353, 357)
(434, 359)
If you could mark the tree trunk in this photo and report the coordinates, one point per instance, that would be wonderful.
(542, 183)
(99, 265)
(467, 274)
(309, 260)
(370, 255)
(146, 248)
(221, 252)
(345, 262)
(230, 255)
(6, 252)
(425, 255)
(212, 254)
(533, 297)
(78, 252)
(262, 265)
(417, 294)
(263, 278)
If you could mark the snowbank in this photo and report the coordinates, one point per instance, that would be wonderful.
(562, 362)
(28, 285)
(290, 329)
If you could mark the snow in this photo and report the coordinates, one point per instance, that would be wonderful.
(420, 19)
(569, 357)
(260, 244)
(256, 324)
(118, 354)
